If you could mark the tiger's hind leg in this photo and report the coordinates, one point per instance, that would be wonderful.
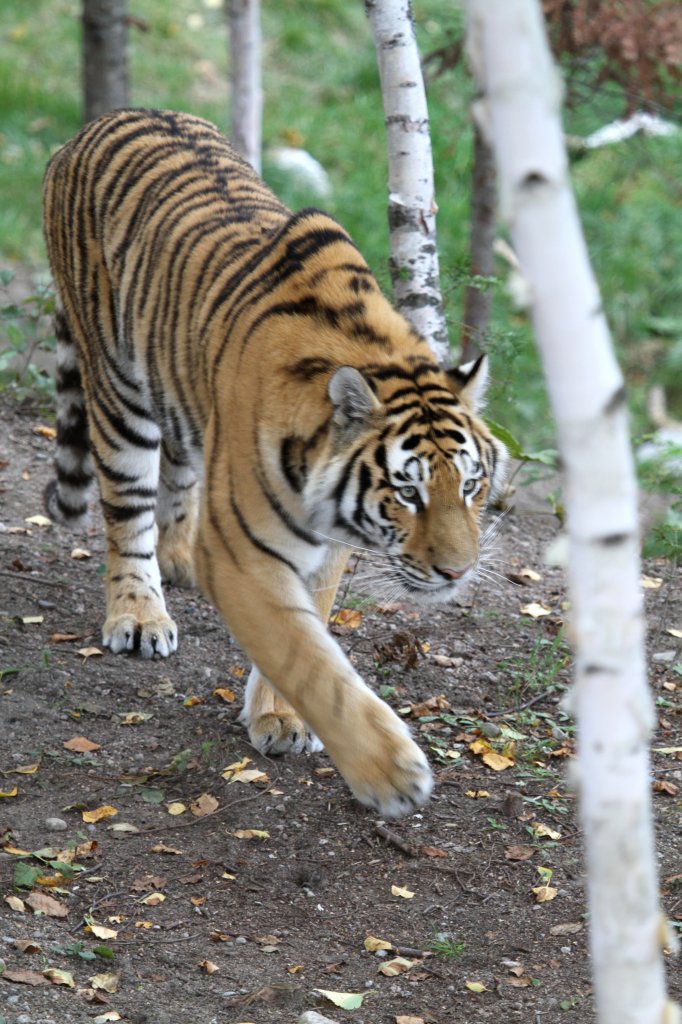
(66, 496)
(274, 726)
(176, 517)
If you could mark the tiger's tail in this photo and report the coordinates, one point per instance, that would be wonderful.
(66, 495)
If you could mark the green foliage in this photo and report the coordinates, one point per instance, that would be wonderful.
(25, 331)
(443, 945)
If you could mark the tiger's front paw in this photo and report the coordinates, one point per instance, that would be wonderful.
(128, 633)
(281, 732)
(382, 764)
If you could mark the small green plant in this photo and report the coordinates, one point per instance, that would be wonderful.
(536, 672)
(446, 946)
(25, 330)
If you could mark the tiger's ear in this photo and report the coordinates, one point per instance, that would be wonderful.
(352, 398)
(470, 381)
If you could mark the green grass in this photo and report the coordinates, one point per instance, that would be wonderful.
(322, 92)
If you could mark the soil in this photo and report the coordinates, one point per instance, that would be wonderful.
(250, 929)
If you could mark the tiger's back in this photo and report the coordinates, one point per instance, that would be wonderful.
(211, 341)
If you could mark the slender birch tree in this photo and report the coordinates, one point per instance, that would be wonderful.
(245, 78)
(518, 110)
(105, 56)
(411, 201)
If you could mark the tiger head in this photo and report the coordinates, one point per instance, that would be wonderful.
(413, 469)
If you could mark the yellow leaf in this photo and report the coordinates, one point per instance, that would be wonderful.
(236, 766)
(237, 671)
(477, 794)
(675, 632)
(153, 899)
(250, 833)
(14, 903)
(535, 609)
(44, 431)
(38, 520)
(296, 969)
(9, 792)
(544, 893)
(100, 814)
(350, 618)
(89, 652)
(16, 851)
(136, 717)
(476, 986)
(372, 944)
(144, 924)
(399, 965)
(224, 694)
(32, 620)
(250, 775)
(176, 808)
(106, 982)
(345, 1000)
(498, 762)
(228, 876)
(58, 977)
(397, 890)
(100, 931)
(650, 582)
(204, 804)
(192, 701)
(544, 831)
(26, 769)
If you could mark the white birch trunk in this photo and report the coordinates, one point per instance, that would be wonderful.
(245, 78)
(411, 200)
(519, 112)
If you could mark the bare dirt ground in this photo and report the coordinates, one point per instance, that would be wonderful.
(261, 893)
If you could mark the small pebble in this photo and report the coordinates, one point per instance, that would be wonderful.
(55, 824)
(313, 1017)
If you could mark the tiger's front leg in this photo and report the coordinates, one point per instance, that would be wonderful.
(274, 727)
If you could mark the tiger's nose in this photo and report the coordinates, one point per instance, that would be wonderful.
(452, 574)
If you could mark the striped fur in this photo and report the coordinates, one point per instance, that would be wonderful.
(250, 405)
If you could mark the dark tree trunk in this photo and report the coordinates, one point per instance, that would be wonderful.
(478, 301)
(105, 56)
(245, 78)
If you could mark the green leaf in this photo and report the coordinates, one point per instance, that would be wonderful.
(152, 796)
(25, 875)
(506, 437)
(106, 952)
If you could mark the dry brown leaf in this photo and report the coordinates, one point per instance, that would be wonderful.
(664, 786)
(27, 946)
(372, 944)
(224, 694)
(204, 804)
(81, 745)
(208, 966)
(349, 618)
(251, 833)
(41, 903)
(162, 848)
(519, 852)
(22, 977)
(544, 831)
(89, 652)
(430, 707)
(44, 431)
(398, 965)
(15, 904)
(432, 851)
(63, 638)
(153, 899)
(544, 893)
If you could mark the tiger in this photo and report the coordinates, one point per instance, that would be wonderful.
(253, 410)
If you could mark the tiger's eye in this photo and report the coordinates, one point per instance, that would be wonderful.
(408, 492)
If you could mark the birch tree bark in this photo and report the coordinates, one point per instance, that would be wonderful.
(411, 201)
(518, 110)
(105, 56)
(245, 77)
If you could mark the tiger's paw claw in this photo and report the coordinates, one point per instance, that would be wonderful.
(282, 733)
(127, 633)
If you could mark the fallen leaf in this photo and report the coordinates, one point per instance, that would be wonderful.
(445, 661)
(80, 554)
(398, 965)
(250, 833)
(192, 701)
(176, 808)
(162, 848)
(8, 793)
(122, 826)
(99, 814)
(63, 638)
(208, 966)
(544, 893)
(344, 1000)
(647, 582)
(26, 769)
(59, 977)
(477, 794)
(41, 903)
(27, 946)
(400, 1019)
(432, 706)
(38, 520)
(544, 831)
(22, 977)
(106, 982)
(224, 694)
(519, 852)
(89, 652)
(570, 928)
(106, 1017)
(476, 986)
(522, 981)
(44, 431)
(81, 745)
(677, 633)
(397, 890)
(664, 786)
(350, 618)
(153, 899)
(535, 609)
(498, 762)
(32, 620)
(100, 931)
(15, 904)
(204, 804)
(530, 574)
(432, 851)
(249, 775)
(372, 944)
(135, 717)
